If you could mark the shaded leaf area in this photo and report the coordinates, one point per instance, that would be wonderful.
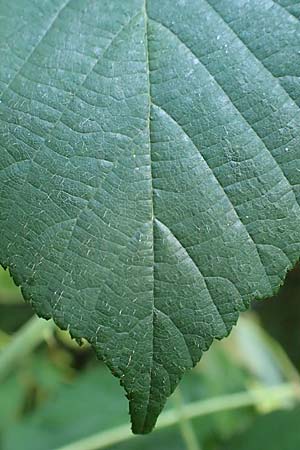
(149, 173)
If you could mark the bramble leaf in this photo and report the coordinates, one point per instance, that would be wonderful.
(149, 172)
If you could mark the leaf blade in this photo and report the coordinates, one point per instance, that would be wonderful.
(153, 194)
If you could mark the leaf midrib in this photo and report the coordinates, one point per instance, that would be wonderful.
(150, 102)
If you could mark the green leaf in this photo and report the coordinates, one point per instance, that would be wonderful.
(149, 172)
(75, 411)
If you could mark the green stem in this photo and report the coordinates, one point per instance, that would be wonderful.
(22, 343)
(185, 425)
(276, 395)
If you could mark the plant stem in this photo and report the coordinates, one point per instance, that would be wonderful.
(276, 395)
(185, 426)
(22, 343)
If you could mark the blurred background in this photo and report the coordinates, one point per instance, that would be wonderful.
(243, 395)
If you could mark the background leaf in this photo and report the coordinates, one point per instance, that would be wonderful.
(267, 432)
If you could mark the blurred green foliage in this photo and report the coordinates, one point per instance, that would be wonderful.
(276, 431)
